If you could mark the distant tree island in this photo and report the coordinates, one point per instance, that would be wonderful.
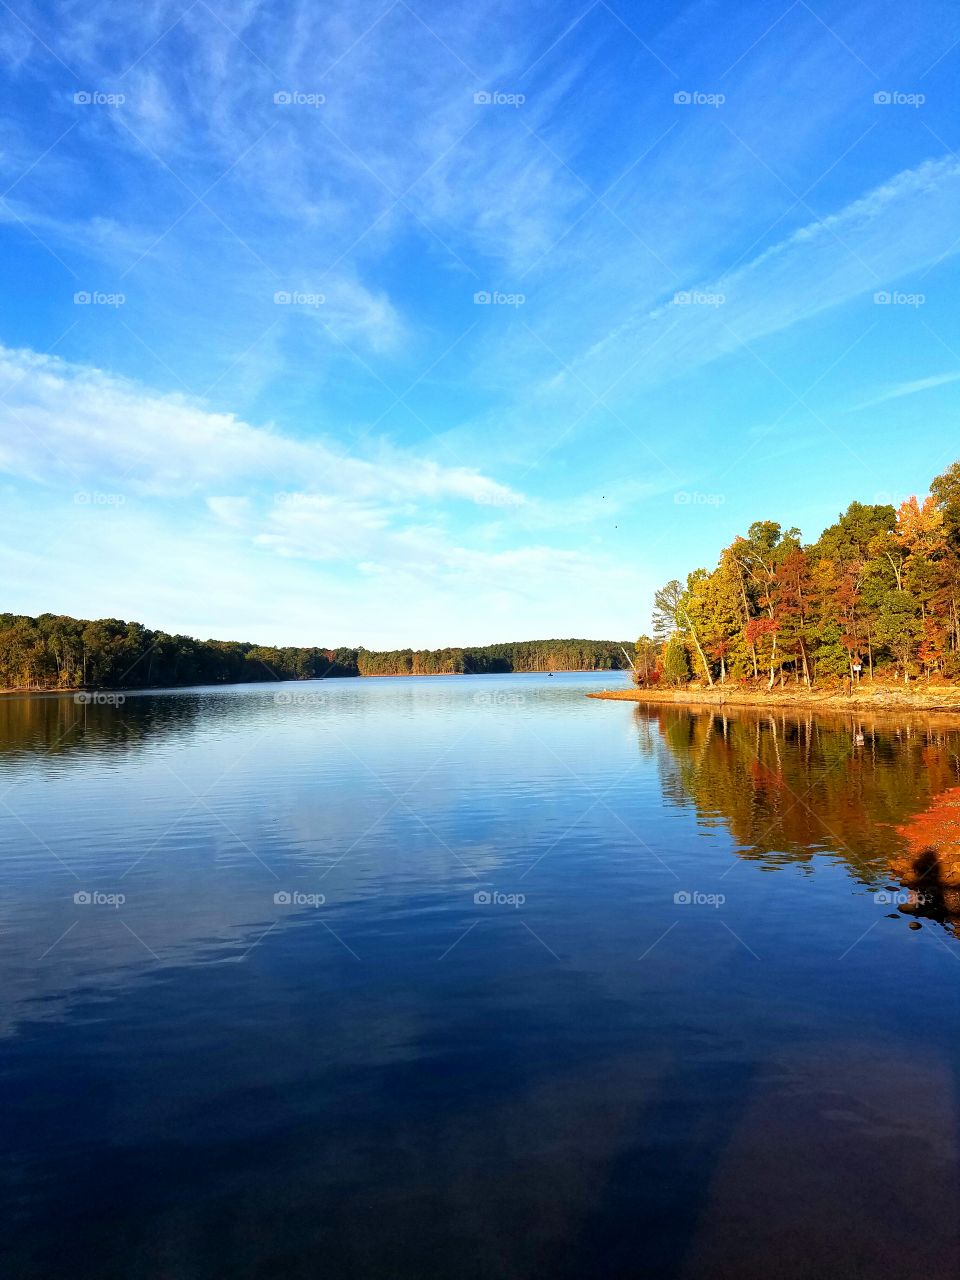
(52, 652)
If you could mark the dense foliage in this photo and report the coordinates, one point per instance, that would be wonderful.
(878, 594)
(56, 652)
(523, 655)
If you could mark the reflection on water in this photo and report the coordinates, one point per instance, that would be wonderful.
(58, 727)
(433, 977)
(880, 794)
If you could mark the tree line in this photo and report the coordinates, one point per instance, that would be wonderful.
(53, 651)
(523, 655)
(876, 596)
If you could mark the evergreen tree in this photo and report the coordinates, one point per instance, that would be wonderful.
(676, 667)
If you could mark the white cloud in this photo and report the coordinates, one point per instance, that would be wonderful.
(177, 569)
(62, 422)
(204, 517)
(385, 200)
(230, 510)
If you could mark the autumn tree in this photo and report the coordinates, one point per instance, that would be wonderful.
(676, 665)
(879, 589)
(671, 617)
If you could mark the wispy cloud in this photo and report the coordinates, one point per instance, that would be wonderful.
(60, 422)
(886, 236)
(338, 152)
(911, 388)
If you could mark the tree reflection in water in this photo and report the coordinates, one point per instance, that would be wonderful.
(881, 795)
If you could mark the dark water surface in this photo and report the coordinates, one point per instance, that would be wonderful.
(471, 977)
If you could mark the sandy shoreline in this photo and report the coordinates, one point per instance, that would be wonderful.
(868, 698)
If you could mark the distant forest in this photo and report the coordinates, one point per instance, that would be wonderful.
(876, 596)
(57, 652)
(520, 655)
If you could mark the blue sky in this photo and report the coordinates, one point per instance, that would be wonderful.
(284, 416)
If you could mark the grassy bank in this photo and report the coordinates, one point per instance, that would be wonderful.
(866, 697)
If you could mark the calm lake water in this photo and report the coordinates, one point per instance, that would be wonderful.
(471, 977)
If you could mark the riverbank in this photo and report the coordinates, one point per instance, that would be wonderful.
(39, 693)
(866, 697)
(94, 690)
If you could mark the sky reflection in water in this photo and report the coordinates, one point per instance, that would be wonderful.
(470, 976)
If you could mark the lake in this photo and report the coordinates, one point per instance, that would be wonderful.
(472, 977)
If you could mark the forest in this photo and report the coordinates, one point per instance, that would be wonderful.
(57, 652)
(877, 596)
(522, 655)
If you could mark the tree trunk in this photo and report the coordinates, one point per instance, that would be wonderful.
(703, 656)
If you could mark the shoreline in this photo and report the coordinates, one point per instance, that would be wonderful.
(874, 698)
(260, 684)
